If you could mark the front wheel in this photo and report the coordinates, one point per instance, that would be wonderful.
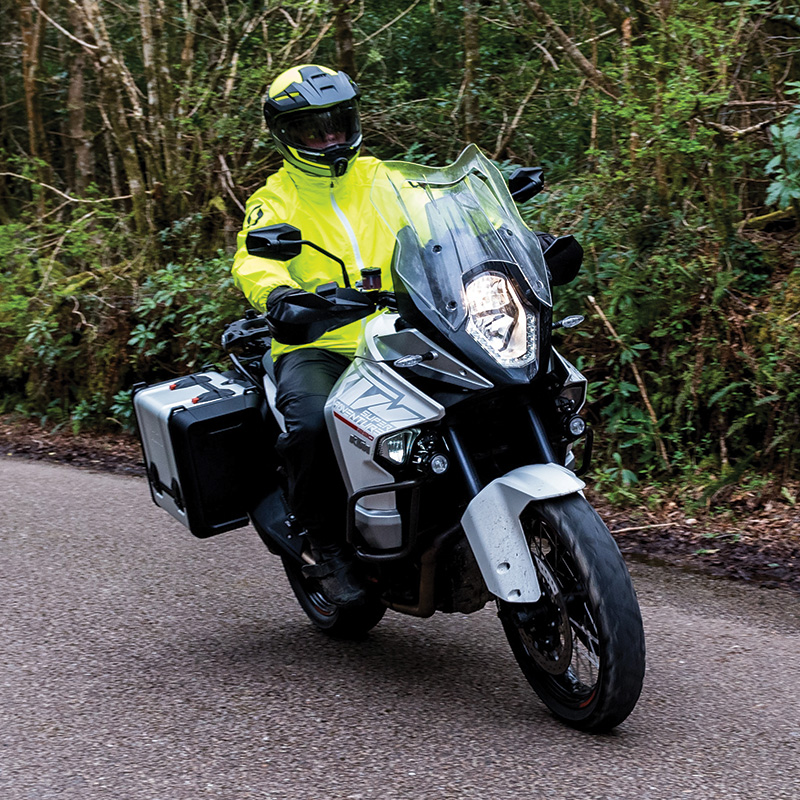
(339, 623)
(581, 646)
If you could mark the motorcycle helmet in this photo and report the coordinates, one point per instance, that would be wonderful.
(312, 114)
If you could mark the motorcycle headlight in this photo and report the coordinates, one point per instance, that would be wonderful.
(499, 322)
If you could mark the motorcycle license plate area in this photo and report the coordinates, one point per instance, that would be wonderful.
(201, 436)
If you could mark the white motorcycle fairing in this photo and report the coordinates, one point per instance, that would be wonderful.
(495, 533)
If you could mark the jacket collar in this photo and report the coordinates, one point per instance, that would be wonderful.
(314, 183)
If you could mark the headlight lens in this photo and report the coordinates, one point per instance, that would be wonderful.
(396, 447)
(499, 322)
(576, 426)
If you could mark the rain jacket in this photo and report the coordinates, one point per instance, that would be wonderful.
(335, 214)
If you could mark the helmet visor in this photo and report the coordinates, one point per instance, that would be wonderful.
(318, 130)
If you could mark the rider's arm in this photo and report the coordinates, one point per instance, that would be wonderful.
(299, 317)
(258, 277)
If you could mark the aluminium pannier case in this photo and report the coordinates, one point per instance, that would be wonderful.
(202, 436)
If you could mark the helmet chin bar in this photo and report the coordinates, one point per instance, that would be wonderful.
(332, 162)
(340, 166)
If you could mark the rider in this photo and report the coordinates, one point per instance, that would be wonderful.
(323, 188)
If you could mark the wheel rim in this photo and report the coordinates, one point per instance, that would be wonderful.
(559, 633)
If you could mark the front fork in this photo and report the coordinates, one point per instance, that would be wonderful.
(492, 518)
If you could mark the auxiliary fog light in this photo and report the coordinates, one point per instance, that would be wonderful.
(439, 464)
(576, 427)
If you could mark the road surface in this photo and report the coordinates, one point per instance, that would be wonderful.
(139, 662)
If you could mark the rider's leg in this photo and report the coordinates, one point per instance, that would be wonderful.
(317, 495)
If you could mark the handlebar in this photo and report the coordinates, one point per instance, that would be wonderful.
(354, 298)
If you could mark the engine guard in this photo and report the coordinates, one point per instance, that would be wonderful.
(495, 533)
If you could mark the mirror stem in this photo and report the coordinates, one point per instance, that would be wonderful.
(331, 256)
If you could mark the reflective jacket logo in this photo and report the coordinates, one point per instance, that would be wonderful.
(254, 216)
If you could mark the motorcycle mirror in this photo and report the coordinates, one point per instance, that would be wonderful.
(525, 182)
(571, 321)
(280, 242)
(564, 258)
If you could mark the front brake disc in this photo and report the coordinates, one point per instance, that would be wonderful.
(548, 638)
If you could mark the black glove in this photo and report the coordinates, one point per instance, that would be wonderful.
(298, 317)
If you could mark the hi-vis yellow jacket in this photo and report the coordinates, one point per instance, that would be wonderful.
(335, 214)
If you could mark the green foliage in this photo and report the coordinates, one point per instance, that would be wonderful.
(785, 166)
(181, 313)
(121, 410)
(615, 481)
(655, 181)
(79, 325)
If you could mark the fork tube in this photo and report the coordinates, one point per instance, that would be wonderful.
(474, 484)
(542, 442)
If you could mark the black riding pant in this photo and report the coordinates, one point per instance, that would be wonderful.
(317, 496)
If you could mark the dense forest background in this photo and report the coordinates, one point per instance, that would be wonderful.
(131, 135)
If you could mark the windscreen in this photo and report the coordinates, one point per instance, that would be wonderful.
(453, 223)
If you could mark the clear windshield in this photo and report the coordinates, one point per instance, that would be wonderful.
(454, 223)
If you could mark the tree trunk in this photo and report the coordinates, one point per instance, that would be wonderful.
(159, 157)
(345, 52)
(149, 57)
(32, 34)
(7, 210)
(633, 140)
(614, 13)
(79, 140)
(114, 78)
(471, 100)
(597, 78)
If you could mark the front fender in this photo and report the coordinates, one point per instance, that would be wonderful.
(495, 533)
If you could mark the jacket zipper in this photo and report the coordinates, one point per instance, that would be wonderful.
(350, 233)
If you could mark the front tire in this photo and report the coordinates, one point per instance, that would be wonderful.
(581, 646)
(339, 623)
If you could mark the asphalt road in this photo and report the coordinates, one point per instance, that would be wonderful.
(139, 662)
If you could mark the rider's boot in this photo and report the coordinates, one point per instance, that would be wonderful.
(337, 573)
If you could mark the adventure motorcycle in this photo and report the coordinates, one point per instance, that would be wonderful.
(453, 428)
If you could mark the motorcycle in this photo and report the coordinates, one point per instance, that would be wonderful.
(454, 429)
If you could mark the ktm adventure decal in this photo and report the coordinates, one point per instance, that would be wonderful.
(373, 407)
